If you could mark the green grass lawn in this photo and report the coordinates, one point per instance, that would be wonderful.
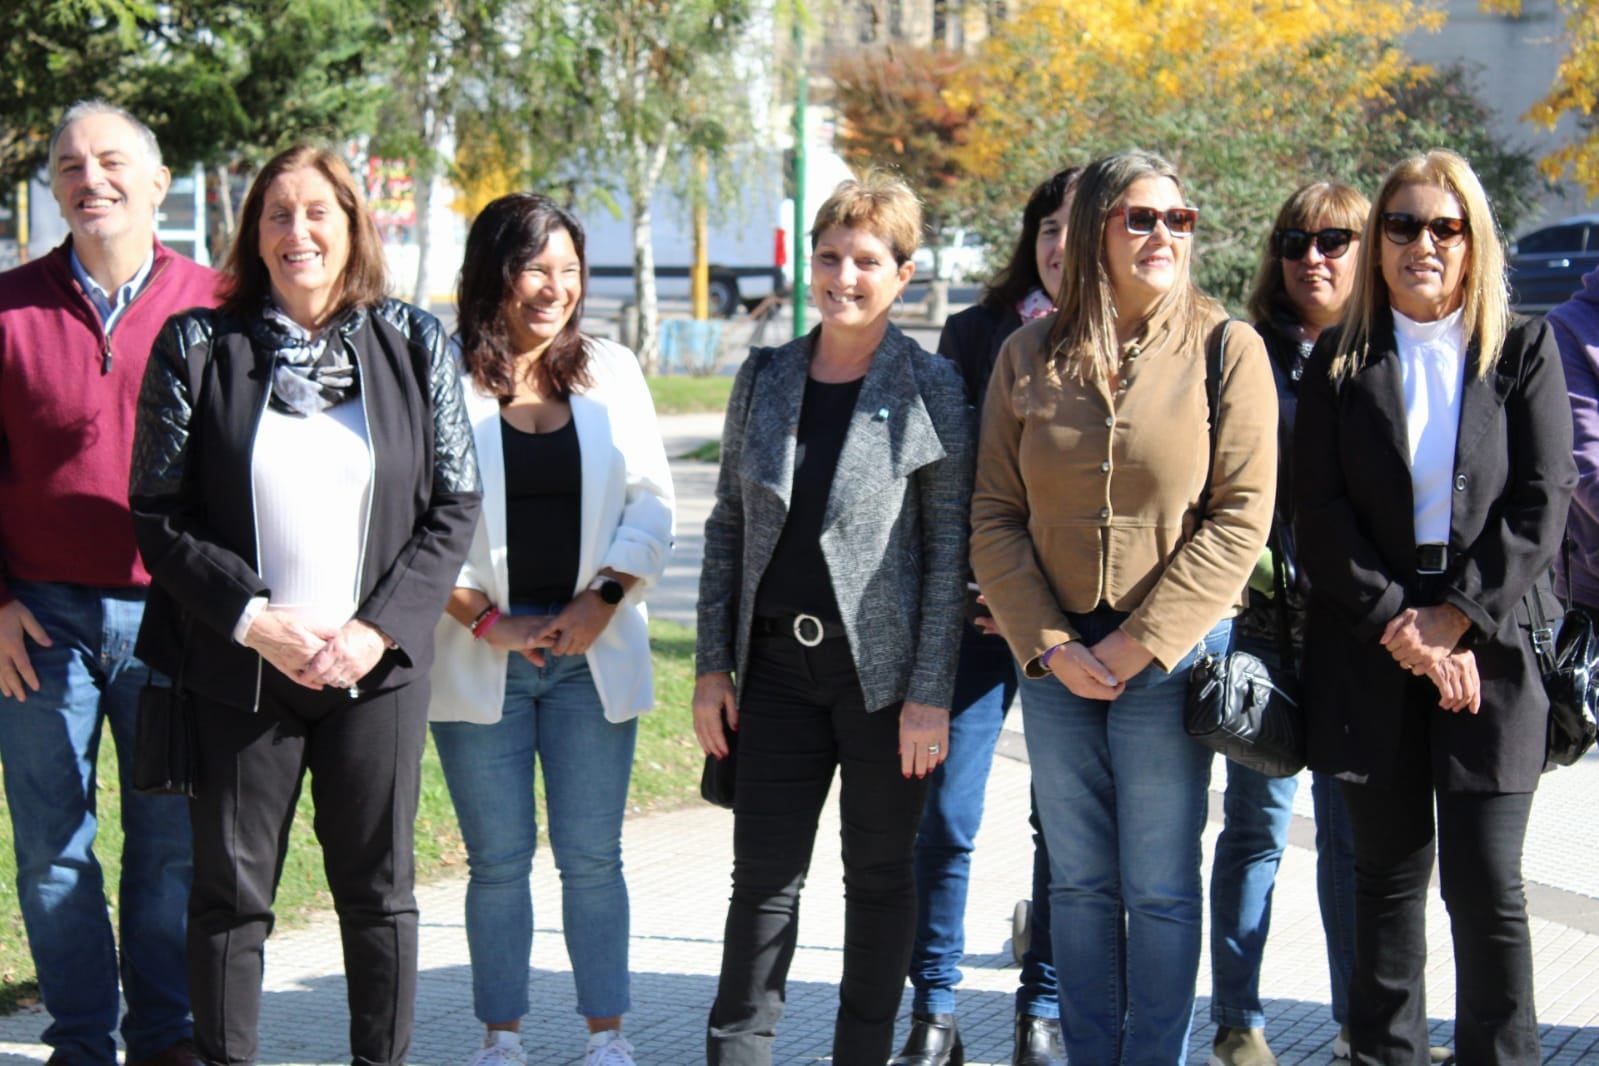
(666, 771)
(682, 394)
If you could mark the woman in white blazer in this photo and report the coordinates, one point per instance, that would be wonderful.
(543, 653)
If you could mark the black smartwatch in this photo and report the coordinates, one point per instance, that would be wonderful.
(610, 589)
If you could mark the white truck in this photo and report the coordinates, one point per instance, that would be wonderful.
(750, 244)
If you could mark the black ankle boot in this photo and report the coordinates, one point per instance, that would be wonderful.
(933, 1041)
(1038, 1042)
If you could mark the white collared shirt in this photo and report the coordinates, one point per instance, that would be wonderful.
(1432, 365)
(111, 305)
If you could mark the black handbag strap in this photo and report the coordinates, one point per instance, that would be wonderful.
(1214, 351)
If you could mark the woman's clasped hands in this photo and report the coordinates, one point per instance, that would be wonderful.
(1424, 641)
(316, 656)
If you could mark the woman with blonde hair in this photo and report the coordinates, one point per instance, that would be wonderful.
(831, 602)
(1112, 533)
(1434, 467)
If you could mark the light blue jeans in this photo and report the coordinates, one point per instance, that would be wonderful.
(1122, 794)
(48, 745)
(553, 717)
(1243, 872)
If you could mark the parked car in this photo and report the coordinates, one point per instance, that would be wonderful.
(1547, 265)
(962, 257)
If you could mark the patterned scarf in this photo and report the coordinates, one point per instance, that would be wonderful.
(310, 372)
(1035, 304)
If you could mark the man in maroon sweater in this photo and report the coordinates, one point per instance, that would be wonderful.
(76, 327)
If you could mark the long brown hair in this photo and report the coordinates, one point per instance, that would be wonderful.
(505, 237)
(1337, 205)
(1084, 333)
(1485, 313)
(247, 283)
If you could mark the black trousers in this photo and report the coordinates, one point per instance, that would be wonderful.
(365, 761)
(801, 716)
(1478, 840)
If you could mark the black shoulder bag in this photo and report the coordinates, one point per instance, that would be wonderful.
(1568, 658)
(1240, 704)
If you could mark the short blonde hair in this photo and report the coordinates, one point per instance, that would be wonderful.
(1339, 206)
(880, 203)
(1485, 317)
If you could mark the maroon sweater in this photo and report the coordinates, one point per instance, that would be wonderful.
(66, 418)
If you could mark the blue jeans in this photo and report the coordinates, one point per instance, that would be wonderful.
(1335, 886)
(553, 717)
(985, 688)
(1244, 870)
(49, 744)
(1122, 793)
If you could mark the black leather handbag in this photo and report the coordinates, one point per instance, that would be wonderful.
(165, 762)
(1241, 704)
(1568, 658)
(1245, 705)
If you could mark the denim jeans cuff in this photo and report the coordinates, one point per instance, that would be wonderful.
(1048, 1009)
(1233, 1018)
(933, 1001)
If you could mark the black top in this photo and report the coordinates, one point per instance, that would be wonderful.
(543, 512)
(972, 339)
(797, 580)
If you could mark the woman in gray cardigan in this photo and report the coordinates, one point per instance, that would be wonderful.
(833, 591)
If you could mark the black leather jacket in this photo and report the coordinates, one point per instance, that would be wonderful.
(204, 391)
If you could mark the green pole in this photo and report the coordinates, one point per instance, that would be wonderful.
(801, 259)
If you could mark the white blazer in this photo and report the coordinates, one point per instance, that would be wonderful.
(628, 517)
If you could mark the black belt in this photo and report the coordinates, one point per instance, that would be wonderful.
(1432, 558)
(808, 629)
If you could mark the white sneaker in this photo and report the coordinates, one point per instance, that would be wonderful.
(609, 1048)
(1341, 1043)
(501, 1047)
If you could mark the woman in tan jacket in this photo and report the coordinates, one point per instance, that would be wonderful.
(1112, 537)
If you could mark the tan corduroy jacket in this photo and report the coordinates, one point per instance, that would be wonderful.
(1088, 495)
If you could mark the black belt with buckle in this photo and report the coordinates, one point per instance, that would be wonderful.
(808, 629)
(1432, 558)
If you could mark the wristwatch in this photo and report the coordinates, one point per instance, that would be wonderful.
(609, 588)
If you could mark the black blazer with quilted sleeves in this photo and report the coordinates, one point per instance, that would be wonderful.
(193, 506)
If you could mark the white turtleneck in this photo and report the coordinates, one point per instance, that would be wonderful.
(1432, 365)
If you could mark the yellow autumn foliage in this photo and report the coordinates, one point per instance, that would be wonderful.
(1574, 91)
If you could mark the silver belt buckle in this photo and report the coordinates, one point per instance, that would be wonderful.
(799, 629)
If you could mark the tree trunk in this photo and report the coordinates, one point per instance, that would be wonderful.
(649, 339)
(225, 201)
(423, 181)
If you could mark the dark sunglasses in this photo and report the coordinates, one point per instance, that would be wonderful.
(1295, 243)
(1402, 229)
(1141, 220)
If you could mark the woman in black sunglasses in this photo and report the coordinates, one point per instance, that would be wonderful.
(1112, 544)
(1305, 276)
(1433, 470)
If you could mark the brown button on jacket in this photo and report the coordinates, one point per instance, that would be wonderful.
(1088, 494)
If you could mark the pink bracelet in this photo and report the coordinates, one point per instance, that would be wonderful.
(485, 622)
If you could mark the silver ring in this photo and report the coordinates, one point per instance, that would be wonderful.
(932, 749)
(799, 629)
